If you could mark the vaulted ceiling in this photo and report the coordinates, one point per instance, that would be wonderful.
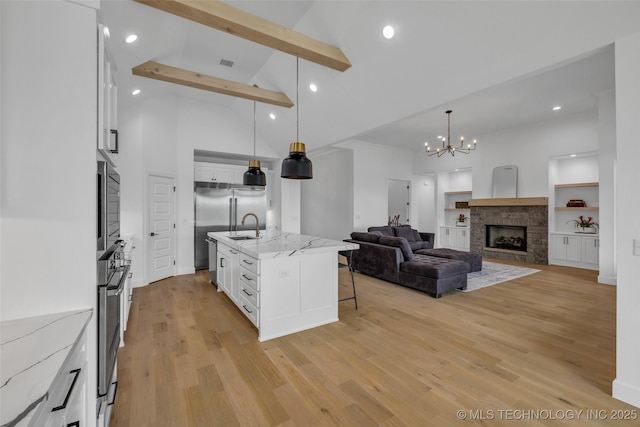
(496, 64)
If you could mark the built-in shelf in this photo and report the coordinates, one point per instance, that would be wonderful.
(451, 193)
(578, 184)
(583, 208)
(456, 209)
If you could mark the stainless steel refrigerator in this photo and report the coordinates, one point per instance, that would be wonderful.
(220, 207)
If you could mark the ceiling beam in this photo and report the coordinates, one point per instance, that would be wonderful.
(154, 70)
(237, 22)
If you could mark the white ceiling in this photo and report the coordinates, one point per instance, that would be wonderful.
(397, 91)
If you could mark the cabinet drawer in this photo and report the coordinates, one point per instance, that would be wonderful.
(249, 263)
(249, 310)
(250, 278)
(249, 293)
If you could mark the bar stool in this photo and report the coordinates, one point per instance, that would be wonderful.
(347, 255)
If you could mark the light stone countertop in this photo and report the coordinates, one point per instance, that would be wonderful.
(32, 352)
(276, 244)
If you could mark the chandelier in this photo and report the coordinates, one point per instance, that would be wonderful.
(446, 143)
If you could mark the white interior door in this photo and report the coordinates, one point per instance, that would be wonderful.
(161, 236)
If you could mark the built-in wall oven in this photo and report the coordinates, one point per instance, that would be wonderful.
(112, 275)
(108, 221)
(112, 271)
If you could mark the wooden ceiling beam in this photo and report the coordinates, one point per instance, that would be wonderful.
(167, 73)
(237, 22)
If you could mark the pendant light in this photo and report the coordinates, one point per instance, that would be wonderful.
(297, 165)
(254, 175)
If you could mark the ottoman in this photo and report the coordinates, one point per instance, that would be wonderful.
(474, 260)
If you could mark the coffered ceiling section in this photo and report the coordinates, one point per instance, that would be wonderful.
(239, 23)
(154, 70)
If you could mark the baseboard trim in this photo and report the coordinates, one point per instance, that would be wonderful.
(606, 280)
(626, 392)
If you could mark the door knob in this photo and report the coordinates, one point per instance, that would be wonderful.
(152, 234)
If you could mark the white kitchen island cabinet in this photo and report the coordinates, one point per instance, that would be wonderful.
(286, 282)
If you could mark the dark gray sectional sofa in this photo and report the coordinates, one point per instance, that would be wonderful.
(387, 253)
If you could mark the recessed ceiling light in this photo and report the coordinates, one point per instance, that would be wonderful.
(313, 87)
(573, 155)
(135, 92)
(556, 108)
(272, 116)
(131, 38)
(388, 32)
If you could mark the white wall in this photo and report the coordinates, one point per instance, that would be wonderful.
(327, 199)
(424, 203)
(627, 383)
(373, 166)
(159, 135)
(607, 193)
(48, 171)
(529, 148)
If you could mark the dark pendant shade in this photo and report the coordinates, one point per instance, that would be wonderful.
(297, 165)
(254, 175)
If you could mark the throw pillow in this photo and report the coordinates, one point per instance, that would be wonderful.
(416, 236)
(385, 230)
(405, 232)
(398, 242)
(366, 237)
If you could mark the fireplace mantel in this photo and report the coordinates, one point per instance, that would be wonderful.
(511, 201)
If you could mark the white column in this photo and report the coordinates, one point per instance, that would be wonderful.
(626, 386)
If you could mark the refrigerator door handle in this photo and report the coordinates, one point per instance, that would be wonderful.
(235, 214)
(230, 214)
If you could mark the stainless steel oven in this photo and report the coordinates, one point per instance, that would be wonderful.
(108, 220)
(112, 275)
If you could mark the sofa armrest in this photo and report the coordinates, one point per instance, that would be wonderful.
(428, 237)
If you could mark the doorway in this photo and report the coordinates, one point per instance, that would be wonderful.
(399, 201)
(161, 235)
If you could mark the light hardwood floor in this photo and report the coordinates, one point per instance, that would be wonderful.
(534, 351)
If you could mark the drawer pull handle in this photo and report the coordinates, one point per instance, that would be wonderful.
(76, 373)
(74, 424)
(246, 277)
(247, 262)
(245, 291)
(247, 310)
(115, 391)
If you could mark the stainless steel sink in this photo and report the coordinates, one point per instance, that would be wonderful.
(242, 237)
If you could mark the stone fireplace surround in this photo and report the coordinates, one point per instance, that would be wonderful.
(530, 212)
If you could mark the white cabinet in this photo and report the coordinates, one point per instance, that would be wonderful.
(215, 172)
(249, 288)
(590, 250)
(67, 400)
(455, 238)
(574, 250)
(107, 101)
(566, 248)
(228, 270)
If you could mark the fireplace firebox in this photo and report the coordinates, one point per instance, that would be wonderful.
(510, 237)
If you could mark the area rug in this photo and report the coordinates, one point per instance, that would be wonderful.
(493, 273)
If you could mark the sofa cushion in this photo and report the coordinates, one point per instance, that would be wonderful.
(419, 245)
(434, 267)
(385, 230)
(398, 242)
(366, 237)
(406, 232)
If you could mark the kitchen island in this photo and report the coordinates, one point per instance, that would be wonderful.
(283, 282)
